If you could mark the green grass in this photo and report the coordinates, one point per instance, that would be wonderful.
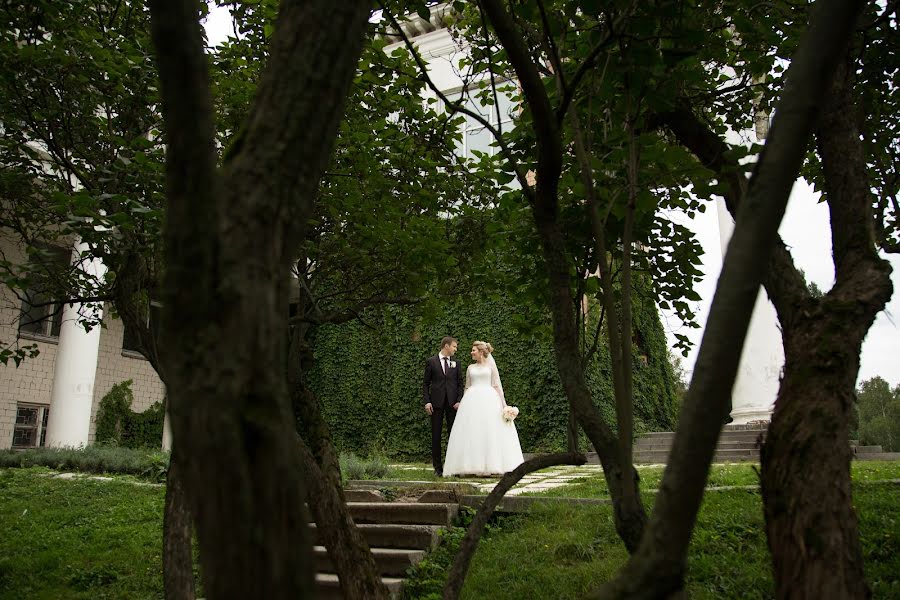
(78, 539)
(83, 539)
(728, 558)
(741, 474)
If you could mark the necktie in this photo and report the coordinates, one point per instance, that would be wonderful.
(446, 365)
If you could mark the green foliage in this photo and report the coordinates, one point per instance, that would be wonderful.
(146, 464)
(119, 426)
(86, 539)
(354, 467)
(369, 379)
(82, 149)
(879, 414)
(17, 353)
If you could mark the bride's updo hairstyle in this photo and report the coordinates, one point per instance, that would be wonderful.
(484, 347)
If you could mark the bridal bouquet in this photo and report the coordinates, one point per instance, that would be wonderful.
(510, 413)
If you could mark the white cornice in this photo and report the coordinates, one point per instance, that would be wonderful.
(414, 26)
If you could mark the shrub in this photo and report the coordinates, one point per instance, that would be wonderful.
(152, 465)
(354, 467)
(118, 425)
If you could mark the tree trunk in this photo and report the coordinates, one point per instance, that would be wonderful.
(347, 548)
(657, 569)
(178, 560)
(628, 509)
(630, 516)
(229, 237)
(810, 521)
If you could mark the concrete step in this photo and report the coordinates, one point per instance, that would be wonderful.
(329, 588)
(877, 456)
(363, 496)
(725, 436)
(641, 445)
(403, 513)
(719, 457)
(390, 535)
(868, 449)
(390, 562)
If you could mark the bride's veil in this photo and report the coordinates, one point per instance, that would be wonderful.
(495, 375)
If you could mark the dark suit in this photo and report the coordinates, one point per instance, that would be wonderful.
(442, 391)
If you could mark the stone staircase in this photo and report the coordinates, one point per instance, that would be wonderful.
(737, 443)
(399, 534)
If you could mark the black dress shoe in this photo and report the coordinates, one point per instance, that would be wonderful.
(438, 473)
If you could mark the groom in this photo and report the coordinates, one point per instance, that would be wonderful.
(442, 389)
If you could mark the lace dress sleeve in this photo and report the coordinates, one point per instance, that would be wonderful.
(468, 376)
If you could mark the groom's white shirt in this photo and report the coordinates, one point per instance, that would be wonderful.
(441, 358)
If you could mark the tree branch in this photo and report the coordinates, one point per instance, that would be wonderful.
(457, 107)
(657, 569)
(457, 575)
(549, 144)
(784, 283)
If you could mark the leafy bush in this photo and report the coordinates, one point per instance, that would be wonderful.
(152, 465)
(118, 425)
(354, 467)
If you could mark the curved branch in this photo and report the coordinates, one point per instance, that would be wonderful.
(457, 575)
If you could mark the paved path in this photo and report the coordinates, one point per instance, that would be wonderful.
(539, 481)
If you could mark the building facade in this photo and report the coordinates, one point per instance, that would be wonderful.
(27, 390)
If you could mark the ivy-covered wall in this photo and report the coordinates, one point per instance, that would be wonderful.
(118, 425)
(369, 381)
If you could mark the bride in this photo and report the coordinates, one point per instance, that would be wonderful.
(482, 442)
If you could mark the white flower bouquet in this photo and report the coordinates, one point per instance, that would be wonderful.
(510, 413)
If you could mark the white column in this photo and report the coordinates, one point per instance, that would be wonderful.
(756, 385)
(76, 365)
(167, 434)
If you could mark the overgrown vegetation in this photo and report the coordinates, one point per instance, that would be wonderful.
(151, 465)
(118, 425)
(385, 412)
(355, 467)
(80, 540)
(85, 539)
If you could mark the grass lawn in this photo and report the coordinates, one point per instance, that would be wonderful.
(78, 539)
(543, 555)
(738, 474)
(82, 538)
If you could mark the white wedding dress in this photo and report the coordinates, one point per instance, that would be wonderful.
(482, 442)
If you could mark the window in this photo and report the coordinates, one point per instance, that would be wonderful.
(475, 136)
(41, 316)
(30, 430)
(130, 340)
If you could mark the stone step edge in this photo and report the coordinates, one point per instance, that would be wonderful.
(330, 580)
